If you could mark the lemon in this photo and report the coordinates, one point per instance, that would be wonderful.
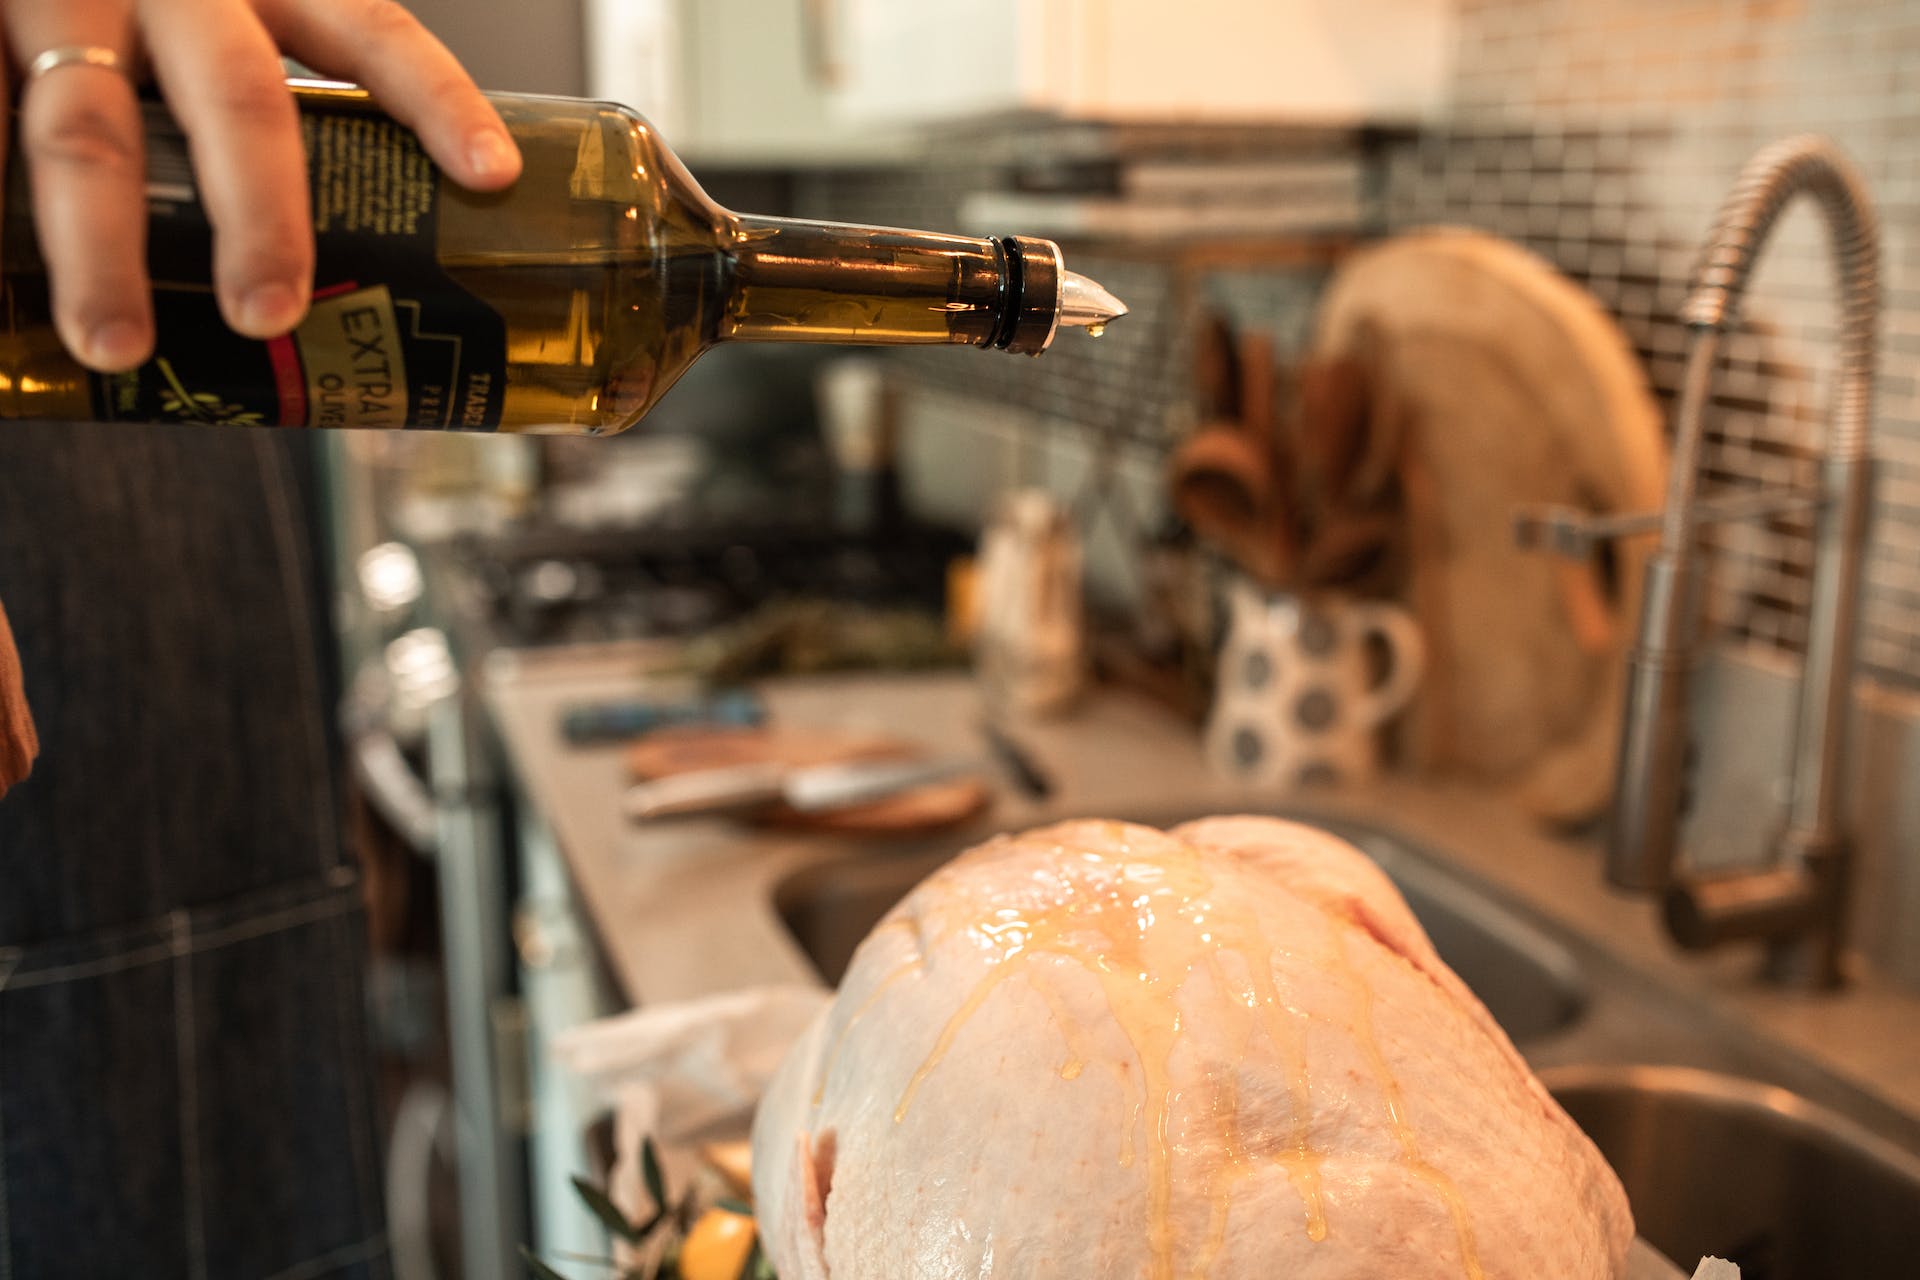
(717, 1246)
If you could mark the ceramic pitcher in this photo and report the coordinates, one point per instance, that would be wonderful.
(1298, 700)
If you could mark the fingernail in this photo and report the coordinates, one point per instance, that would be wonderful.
(492, 154)
(116, 345)
(268, 310)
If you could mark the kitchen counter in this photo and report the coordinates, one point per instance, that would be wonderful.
(685, 909)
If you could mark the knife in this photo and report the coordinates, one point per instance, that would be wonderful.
(598, 722)
(813, 789)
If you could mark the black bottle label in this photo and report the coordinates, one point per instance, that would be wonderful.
(390, 341)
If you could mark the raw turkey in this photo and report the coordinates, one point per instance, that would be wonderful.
(1224, 1052)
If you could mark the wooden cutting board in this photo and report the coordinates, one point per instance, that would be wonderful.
(1506, 385)
(928, 808)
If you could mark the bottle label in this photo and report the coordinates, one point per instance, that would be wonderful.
(390, 340)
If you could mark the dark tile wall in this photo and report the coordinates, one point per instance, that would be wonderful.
(1092, 420)
(1134, 383)
(1602, 134)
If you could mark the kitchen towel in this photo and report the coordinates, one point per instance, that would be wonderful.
(700, 1065)
(18, 742)
(684, 1074)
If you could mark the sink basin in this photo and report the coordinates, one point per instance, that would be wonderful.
(1530, 983)
(1714, 1164)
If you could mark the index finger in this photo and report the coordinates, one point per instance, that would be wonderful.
(413, 77)
(221, 75)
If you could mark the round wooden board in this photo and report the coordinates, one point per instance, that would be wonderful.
(1508, 386)
(928, 808)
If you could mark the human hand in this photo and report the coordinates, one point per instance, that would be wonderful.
(18, 743)
(217, 64)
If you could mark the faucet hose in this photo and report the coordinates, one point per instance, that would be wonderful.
(1814, 164)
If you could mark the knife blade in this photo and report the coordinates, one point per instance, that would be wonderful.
(840, 786)
(813, 789)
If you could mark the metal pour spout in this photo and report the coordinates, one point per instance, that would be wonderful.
(1085, 304)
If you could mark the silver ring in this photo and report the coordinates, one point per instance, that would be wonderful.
(76, 55)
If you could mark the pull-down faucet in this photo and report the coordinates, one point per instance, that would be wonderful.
(1796, 903)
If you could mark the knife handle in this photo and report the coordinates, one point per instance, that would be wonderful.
(1028, 777)
(634, 718)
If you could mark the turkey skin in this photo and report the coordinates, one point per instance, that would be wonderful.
(1222, 1052)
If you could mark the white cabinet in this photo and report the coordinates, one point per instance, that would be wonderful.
(1336, 61)
(633, 58)
(732, 82)
(798, 82)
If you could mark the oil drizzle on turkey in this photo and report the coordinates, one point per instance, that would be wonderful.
(910, 965)
(1141, 922)
(1288, 1036)
(1389, 1084)
(1079, 1050)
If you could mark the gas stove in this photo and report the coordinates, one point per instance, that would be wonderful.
(540, 587)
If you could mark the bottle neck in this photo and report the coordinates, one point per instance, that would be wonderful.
(795, 281)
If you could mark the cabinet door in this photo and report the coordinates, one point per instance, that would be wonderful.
(758, 74)
(1280, 60)
(633, 58)
(740, 83)
(928, 60)
(1337, 61)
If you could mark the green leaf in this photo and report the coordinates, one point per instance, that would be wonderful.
(650, 1170)
(731, 1205)
(605, 1210)
(539, 1269)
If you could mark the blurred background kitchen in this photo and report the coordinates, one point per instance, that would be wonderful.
(1290, 452)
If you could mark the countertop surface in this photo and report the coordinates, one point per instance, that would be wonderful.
(685, 908)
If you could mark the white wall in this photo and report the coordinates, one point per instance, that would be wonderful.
(527, 46)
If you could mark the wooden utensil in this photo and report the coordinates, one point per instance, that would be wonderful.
(1345, 431)
(1350, 548)
(1344, 436)
(1228, 479)
(925, 808)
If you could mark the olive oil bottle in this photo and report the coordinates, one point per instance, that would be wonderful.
(568, 303)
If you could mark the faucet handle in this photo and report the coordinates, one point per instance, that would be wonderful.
(1571, 532)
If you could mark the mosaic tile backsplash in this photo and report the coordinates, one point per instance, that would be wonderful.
(1602, 134)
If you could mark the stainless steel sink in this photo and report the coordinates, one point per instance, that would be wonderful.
(1530, 983)
(1756, 1174)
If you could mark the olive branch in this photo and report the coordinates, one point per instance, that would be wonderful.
(201, 406)
(668, 1223)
